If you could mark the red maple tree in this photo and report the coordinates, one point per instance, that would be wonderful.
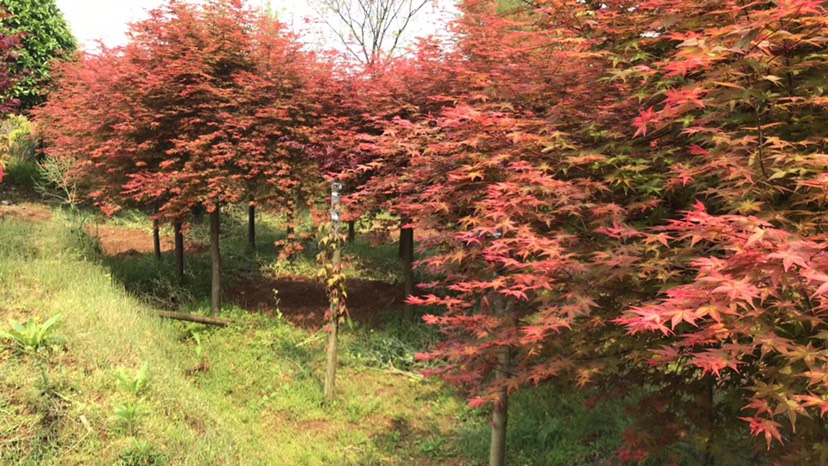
(204, 106)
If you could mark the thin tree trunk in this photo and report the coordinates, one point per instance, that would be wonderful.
(290, 227)
(333, 331)
(251, 226)
(708, 457)
(351, 231)
(333, 342)
(500, 413)
(407, 238)
(293, 214)
(179, 251)
(156, 237)
(215, 256)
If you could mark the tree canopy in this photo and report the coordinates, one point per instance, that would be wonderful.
(45, 36)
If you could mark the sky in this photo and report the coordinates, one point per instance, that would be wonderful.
(107, 20)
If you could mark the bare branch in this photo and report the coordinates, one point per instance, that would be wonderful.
(366, 27)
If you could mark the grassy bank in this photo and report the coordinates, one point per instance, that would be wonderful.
(247, 394)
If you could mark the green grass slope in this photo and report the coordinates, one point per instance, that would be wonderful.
(247, 394)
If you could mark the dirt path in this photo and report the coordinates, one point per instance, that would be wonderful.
(113, 240)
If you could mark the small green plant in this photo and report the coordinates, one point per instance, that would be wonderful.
(33, 337)
(203, 364)
(142, 453)
(133, 384)
(128, 415)
(199, 349)
(53, 181)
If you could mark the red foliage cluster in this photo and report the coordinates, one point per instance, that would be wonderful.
(557, 154)
(205, 105)
(8, 45)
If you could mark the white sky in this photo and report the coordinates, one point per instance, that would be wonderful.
(107, 20)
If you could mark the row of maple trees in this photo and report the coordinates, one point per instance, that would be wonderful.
(626, 195)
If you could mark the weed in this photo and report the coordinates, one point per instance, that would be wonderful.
(35, 339)
(203, 364)
(133, 384)
(128, 415)
(393, 347)
(199, 349)
(23, 173)
(433, 447)
(142, 453)
(32, 337)
(51, 181)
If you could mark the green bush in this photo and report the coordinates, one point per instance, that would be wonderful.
(17, 152)
(16, 140)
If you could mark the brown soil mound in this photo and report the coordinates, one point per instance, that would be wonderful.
(303, 302)
(125, 241)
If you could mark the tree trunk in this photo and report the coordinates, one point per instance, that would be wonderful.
(215, 256)
(179, 251)
(156, 238)
(291, 228)
(251, 227)
(330, 364)
(708, 457)
(500, 413)
(407, 247)
(351, 231)
(193, 318)
(333, 331)
(293, 214)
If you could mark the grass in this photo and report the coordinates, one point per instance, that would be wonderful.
(259, 402)
(247, 394)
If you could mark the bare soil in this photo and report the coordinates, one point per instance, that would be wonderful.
(116, 241)
(303, 301)
(24, 212)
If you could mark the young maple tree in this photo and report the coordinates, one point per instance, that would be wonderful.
(203, 106)
(724, 102)
(8, 78)
(730, 95)
(409, 88)
(485, 164)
